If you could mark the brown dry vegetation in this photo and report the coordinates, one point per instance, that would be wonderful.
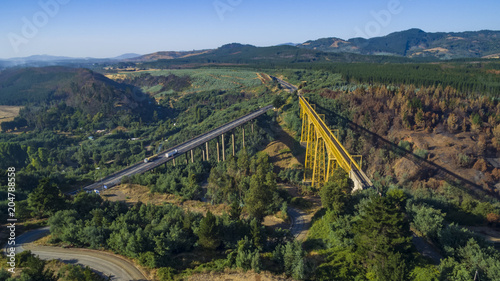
(133, 193)
(457, 132)
(8, 113)
(280, 151)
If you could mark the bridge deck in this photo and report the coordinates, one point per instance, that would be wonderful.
(141, 167)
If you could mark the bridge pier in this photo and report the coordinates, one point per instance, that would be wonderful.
(173, 161)
(243, 137)
(192, 156)
(357, 183)
(218, 159)
(232, 135)
(223, 149)
(203, 153)
(208, 159)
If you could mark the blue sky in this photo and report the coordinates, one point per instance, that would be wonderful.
(108, 28)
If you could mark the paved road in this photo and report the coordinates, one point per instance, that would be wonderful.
(101, 262)
(142, 167)
(285, 85)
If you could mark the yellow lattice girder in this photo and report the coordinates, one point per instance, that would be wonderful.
(322, 155)
(319, 170)
(309, 161)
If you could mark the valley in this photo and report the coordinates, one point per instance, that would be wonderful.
(203, 165)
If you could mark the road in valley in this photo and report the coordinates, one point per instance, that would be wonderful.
(103, 263)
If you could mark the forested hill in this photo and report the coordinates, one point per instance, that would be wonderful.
(247, 54)
(80, 88)
(417, 43)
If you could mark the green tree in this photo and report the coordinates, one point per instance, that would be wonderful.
(337, 191)
(382, 238)
(243, 162)
(258, 198)
(34, 268)
(278, 101)
(256, 262)
(208, 233)
(244, 254)
(426, 273)
(45, 199)
(427, 220)
(166, 273)
(235, 211)
(4, 274)
(12, 155)
(72, 272)
(256, 234)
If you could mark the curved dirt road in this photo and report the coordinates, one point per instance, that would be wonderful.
(101, 262)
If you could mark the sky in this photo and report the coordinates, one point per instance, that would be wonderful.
(109, 28)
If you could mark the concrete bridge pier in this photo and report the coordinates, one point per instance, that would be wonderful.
(223, 149)
(232, 135)
(207, 151)
(218, 157)
(357, 183)
(243, 137)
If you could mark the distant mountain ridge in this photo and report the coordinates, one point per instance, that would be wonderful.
(417, 43)
(402, 46)
(48, 60)
(167, 55)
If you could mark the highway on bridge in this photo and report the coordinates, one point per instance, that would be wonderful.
(142, 167)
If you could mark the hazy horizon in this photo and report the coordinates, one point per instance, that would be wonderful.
(102, 30)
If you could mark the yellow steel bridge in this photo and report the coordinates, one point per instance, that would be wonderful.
(324, 151)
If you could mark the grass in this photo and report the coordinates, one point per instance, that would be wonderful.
(8, 113)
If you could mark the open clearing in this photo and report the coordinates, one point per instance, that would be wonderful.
(280, 150)
(133, 193)
(8, 113)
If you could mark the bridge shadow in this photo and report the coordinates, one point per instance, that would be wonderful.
(427, 168)
(295, 149)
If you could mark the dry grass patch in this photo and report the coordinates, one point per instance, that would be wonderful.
(133, 193)
(8, 113)
(280, 151)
